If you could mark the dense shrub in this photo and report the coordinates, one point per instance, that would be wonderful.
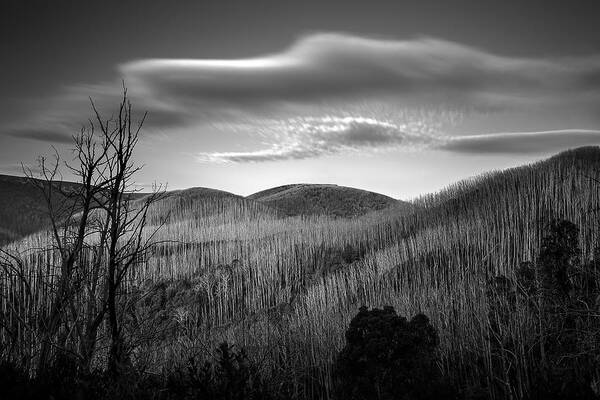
(230, 377)
(388, 357)
(560, 293)
(14, 383)
(559, 259)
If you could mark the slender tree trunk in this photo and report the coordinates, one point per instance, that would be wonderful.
(54, 320)
(114, 357)
(88, 341)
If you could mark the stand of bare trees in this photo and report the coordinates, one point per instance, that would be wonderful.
(98, 234)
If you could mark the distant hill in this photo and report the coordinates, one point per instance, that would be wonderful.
(23, 209)
(198, 193)
(319, 199)
(200, 202)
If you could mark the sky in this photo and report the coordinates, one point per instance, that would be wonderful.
(397, 97)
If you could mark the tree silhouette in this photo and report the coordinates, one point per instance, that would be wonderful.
(559, 292)
(388, 357)
(559, 258)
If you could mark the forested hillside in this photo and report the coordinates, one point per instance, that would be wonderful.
(24, 208)
(284, 288)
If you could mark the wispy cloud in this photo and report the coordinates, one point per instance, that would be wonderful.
(337, 66)
(55, 135)
(316, 137)
(308, 137)
(57, 119)
(522, 142)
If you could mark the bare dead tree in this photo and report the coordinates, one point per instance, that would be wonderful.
(99, 232)
(69, 217)
(123, 231)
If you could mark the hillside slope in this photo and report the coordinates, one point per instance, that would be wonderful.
(287, 287)
(320, 199)
(23, 209)
(297, 282)
(202, 203)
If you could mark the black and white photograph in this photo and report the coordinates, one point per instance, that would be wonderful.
(299, 200)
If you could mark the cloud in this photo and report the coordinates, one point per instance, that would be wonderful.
(301, 138)
(283, 93)
(57, 119)
(522, 142)
(310, 138)
(332, 93)
(323, 67)
(48, 135)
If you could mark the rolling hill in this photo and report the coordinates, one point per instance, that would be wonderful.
(23, 209)
(320, 199)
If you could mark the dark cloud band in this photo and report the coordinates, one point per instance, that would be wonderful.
(522, 142)
(49, 135)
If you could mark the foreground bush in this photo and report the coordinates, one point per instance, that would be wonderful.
(559, 292)
(388, 357)
(229, 377)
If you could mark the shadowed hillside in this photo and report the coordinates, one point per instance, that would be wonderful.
(23, 209)
(315, 199)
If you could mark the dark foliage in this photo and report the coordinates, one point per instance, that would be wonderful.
(570, 329)
(229, 377)
(558, 260)
(14, 383)
(527, 279)
(561, 293)
(389, 357)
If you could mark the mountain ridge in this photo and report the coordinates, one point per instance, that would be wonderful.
(23, 210)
